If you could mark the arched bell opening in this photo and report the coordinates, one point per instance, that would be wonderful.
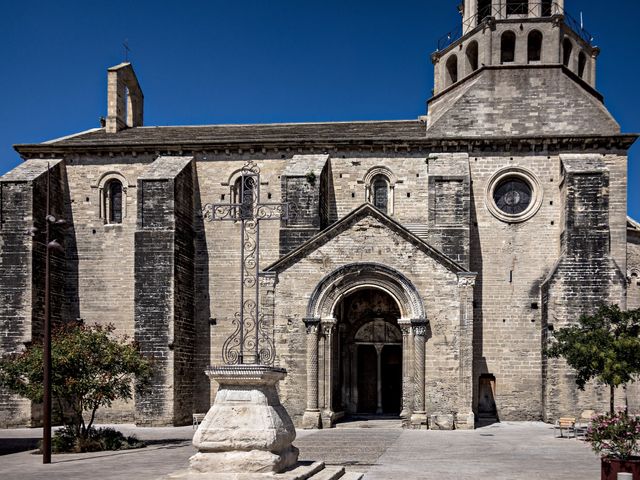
(370, 353)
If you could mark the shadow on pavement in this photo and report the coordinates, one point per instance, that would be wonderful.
(15, 445)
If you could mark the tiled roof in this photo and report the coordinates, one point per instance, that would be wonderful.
(410, 129)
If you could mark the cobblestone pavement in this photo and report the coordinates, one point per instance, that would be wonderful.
(513, 451)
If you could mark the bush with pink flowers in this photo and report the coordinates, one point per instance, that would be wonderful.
(615, 435)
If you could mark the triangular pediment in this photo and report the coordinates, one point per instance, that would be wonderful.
(354, 220)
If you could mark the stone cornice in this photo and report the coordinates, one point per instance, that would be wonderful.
(510, 144)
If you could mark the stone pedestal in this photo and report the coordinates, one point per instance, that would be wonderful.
(247, 430)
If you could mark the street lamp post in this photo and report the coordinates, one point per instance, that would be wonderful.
(50, 220)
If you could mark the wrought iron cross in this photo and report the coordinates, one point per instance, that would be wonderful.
(251, 337)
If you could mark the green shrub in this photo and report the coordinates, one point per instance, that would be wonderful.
(65, 440)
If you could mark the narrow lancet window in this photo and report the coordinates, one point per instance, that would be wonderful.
(534, 47)
(380, 190)
(582, 63)
(114, 201)
(243, 194)
(567, 48)
(472, 57)
(452, 70)
(508, 47)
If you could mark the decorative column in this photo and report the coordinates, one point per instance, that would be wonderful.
(465, 416)
(311, 417)
(379, 347)
(405, 327)
(419, 416)
(328, 330)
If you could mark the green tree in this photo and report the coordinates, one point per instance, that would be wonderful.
(605, 346)
(90, 369)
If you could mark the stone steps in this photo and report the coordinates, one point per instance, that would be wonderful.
(329, 473)
(313, 471)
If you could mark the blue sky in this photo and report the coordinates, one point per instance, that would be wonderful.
(246, 61)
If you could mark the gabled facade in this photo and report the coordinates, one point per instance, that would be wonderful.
(425, 265)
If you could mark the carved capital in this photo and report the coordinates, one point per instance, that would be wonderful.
(405, 326)
(328, 326)
(312, 325)
(466, 280)
(419, 327)
(268, 280)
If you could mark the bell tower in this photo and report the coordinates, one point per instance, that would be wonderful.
(516, 49)
(513, 32)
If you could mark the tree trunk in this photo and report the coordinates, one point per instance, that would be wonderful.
(612, 393)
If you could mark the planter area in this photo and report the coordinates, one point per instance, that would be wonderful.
(612, 466)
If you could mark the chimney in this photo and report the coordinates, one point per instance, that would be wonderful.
(125, 100)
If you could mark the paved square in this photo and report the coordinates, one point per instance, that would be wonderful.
(503, 451)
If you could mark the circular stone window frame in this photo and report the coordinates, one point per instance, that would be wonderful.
(521, 174)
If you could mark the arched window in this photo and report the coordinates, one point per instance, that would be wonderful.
(582, 63)
(517, 7)
(567, 48)
(114, 201)
(534, 48)
(452, 70)
(472, 57)
(243, 192)
(508, 47)
(380, 193)
(484, 9)
(546, 6)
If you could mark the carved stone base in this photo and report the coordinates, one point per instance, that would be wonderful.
(311, 419)
(440, 421)
(466, 422)
(418, 421)
(246, 430)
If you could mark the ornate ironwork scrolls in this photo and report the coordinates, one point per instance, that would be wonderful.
(251, 341)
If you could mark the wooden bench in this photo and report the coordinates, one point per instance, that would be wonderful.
(566, 423)
(197, 418)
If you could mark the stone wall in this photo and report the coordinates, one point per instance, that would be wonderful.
(586, 275)
(366, 239)
(22, 268)
(164, 286)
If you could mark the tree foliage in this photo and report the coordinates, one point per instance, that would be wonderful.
(90, 369)
(604, 346)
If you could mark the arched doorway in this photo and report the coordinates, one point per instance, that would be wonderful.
(358, 315)
(370, 353)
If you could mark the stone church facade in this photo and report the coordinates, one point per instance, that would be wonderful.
(426, 264)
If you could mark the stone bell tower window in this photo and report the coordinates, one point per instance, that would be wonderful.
(582, 63)
(546, 6)
(508, 47)
(484, 9)
(517, 7)
(452, 70)
(567, 48)
(472, 57)
(534, 48)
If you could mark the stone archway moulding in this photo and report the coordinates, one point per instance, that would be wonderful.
(356, 276)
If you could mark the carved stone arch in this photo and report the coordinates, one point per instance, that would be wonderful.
(370, 177)
(356, 276)
(101, 185)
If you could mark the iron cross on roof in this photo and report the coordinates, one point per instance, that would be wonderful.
(251, 332)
